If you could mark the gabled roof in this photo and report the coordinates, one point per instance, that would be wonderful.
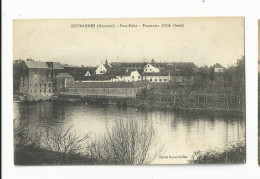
(64, 75)
(57, 65)
(35, 64)
(217, 65)
(43, 65)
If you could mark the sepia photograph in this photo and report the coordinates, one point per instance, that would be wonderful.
(129, 91)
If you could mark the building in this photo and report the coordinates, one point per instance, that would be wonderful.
(218, 68)
(127, 66)
(87, 74)
(148, 68)
(160, 77)
(62, 80)
(128, 77)
(102, 68)
(37, 80)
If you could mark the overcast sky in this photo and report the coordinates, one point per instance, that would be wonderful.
(204, 41)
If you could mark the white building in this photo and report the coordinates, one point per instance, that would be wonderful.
(132, 76)
(87, 74)
(148, 68)
(157, 77)
(101, 69)
(218, 68)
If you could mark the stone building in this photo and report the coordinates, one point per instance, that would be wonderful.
(37, 79)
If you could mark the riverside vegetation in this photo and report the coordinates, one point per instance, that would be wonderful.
(234, 153)
(127, 142)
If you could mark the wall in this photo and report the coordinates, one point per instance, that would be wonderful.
(107, 92)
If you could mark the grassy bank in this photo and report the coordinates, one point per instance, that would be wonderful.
(234, 154)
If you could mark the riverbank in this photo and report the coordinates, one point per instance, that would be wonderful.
(233, 154)
(152, 104)
(32, 155)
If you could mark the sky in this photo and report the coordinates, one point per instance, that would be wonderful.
(204, 41)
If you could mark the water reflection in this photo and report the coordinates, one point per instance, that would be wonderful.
(182, 133)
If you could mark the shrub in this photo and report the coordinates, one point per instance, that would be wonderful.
(234, 153)
(128, 142)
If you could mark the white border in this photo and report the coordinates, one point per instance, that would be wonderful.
(38, 9)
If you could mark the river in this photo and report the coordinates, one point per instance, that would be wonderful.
(182, 133)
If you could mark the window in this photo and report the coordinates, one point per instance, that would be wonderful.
(30, 91)
(49, 85)
(164, 79)
(35, 91)
(44, 84)
(44, 90)
(139, 77)
(150, 69)
(35, 84)
(133, 77)
(155, 80)
(40, 91)
(148, 65)
(160, 79)
(40, 85)
(151, 80)
(145, 69)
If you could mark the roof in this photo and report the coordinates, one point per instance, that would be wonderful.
(217, 65)
(35, 64)
(57, 65)
(43, 65)
(161, 65)
(100, 85)
(156, 74)
(64, 75)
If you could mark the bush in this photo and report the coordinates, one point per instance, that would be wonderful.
(129, 142)
(235, 153)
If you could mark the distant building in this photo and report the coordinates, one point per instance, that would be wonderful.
(62, 80)
(128, 66)
(148, 68)
(101, 69)
(218, 68)
(37, 79)
(87, 74)
(128, 77)
(157, 77)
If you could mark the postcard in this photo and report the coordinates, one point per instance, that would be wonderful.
(134, 91)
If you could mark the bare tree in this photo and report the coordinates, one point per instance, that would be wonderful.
(128, 142)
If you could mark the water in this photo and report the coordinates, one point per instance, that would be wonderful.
(181, 133)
